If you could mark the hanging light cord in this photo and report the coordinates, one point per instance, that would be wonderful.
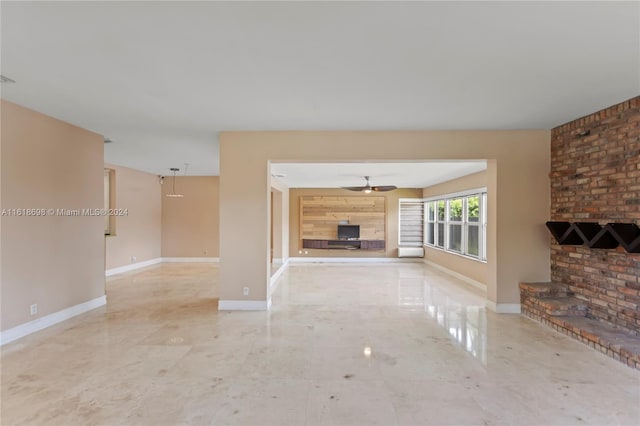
(174, 182)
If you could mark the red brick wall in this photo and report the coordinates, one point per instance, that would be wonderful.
(596, 178)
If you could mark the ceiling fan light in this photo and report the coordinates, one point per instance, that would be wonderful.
(367, 189)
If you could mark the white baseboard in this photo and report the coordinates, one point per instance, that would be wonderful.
(48, 320)
(353, 260)
(132, 267)
(471, 281)
(273, 283)
(244, 305)
(191, 259)
(503, 308)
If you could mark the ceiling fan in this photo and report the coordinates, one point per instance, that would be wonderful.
(368, 188)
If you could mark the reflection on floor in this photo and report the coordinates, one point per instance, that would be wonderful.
(344, 344)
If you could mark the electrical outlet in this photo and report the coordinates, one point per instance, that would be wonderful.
(306, 252)
(133, 259)
(34, 309)
(205, 252)
(299, 251)
(245, 291)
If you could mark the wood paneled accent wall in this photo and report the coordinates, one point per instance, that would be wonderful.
(321, 215)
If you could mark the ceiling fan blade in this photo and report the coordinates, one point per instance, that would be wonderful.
(354, 188)
(384, 188)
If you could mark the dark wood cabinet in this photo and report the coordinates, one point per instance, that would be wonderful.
(372, 244)
(344, 244)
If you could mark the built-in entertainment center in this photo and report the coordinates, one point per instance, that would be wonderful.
(342, 222)
(348, 238)
(344, 244)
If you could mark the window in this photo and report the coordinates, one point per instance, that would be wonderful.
(483, 209)
(454, 242)
(411, 222)
(458, 223)
(472, 225)
(430, 223)
(440, 220)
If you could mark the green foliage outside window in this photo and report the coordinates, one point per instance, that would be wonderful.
(440, 210)
(473, 208)
(455, 209)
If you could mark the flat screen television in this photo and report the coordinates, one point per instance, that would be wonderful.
(348, 232)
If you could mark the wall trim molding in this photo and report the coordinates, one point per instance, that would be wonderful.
(466, 279)
(191, 259)
(503, 308)
(353, 260)
(38, 324)
(273, 282)
(244, 305)
(132, 267)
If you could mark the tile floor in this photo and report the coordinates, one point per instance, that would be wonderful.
(344, 344)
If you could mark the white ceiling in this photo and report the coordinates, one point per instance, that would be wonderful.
(161, 79)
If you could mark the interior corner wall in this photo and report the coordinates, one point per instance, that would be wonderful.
(56, 260)
(391, 221)
(471, 268)
(138, 233)
(190, 224)
(520, 179)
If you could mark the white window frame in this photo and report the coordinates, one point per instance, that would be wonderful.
(482, 223)
(483, 220)
(468, 224)
(427, 221)
(445, 231)
(449, 222)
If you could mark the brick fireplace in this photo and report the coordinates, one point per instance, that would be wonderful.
(595, 177)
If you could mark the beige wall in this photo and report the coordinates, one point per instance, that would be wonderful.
(462, 265)
(518, 177)
(139, 232)
(54, 261)
(276, 225)
(391, 222)
(190, 224)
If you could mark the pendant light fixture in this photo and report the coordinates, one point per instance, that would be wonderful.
(173, 192)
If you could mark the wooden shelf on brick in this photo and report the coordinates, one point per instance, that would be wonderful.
(627, 234)
(565, 233)
(595, 236)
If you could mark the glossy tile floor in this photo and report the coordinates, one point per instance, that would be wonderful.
(343, 345)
